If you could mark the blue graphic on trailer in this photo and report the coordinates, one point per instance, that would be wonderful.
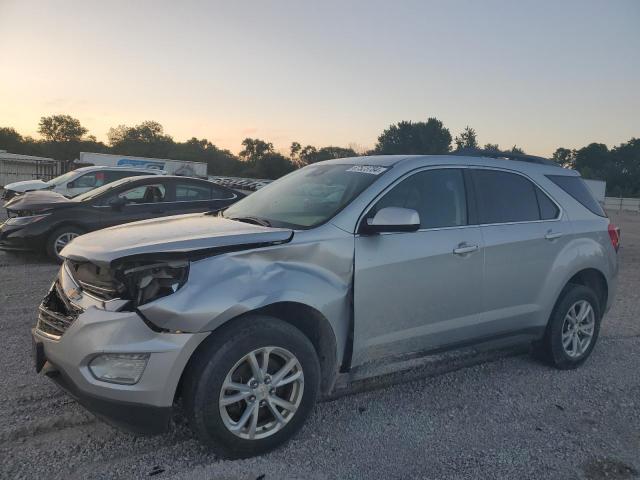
(150, 164)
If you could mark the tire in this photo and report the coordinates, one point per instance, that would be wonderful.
(52, 245)
(561, 330)
(226, 356)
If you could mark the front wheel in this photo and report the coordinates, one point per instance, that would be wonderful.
(252, 387)
(573, 328)
(59, 239)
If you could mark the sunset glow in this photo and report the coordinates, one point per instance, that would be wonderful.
(534, 74)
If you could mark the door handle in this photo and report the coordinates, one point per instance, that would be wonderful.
(552, 235)
(464, 248)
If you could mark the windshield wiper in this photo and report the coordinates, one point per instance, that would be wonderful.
(254, 220)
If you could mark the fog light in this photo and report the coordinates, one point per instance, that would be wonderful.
(123, 368)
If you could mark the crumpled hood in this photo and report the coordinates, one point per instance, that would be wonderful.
(177, 234)
(39, 200)
(27, 185)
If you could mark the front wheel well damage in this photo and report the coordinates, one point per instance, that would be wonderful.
(309, 321)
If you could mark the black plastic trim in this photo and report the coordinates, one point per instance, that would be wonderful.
(132, 417)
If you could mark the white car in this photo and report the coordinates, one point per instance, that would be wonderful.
(77, 181)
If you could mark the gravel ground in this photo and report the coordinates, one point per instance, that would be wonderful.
(509, 417)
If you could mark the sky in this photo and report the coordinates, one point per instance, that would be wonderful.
(537, 74)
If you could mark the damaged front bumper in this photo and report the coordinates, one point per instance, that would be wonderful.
(66, 341)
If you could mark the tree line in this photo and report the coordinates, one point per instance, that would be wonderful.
(64, 137)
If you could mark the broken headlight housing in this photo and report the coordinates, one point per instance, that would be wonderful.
(148, 281)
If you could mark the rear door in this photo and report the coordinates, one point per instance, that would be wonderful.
(416, 291)
(523, 234)
(191, 196)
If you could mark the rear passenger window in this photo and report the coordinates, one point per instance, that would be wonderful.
(437, 195)
(505, 197)
(190, 192)
(219, 193)
(548, 209)
(576, 187)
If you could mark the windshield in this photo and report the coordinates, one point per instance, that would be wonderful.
(64, 178)
(100, 190)
(307, 197)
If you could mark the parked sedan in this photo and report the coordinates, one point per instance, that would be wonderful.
(48, 221)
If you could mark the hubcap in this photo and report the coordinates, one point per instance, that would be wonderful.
(261, 393)
(578, 328)
(63, 240)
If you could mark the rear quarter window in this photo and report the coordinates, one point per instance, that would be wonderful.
(576, 187)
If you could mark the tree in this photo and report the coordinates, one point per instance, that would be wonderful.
(254, 149)
(10, 140)
(516, 149)
(430, 137)
(312, 155)
(623, 174)
(564, 157)
(146, 139)
(491, 147)
(294, 150)
(219, 162)
(467, 139)
(61, 128)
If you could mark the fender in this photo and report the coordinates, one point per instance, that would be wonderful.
(315, 274)
(578, 254)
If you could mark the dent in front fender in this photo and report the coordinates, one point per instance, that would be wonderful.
(315, 269)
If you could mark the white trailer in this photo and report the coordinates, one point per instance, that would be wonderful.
(172, 167)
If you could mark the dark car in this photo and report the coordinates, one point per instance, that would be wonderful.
(47, 221)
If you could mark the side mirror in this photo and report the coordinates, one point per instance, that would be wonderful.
(117, 203)
(392, 219)
(70, 185)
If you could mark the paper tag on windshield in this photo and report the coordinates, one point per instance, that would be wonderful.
(370, 169)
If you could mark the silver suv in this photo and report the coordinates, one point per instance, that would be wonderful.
(250, 315)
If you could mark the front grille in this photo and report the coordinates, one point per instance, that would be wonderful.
(56, 314)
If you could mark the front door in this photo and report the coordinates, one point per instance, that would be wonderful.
(417, 291)
(140, 203)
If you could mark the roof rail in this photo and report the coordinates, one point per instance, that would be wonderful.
(521, 157)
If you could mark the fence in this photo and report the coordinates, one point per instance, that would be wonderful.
(14, 168)
(619, 204)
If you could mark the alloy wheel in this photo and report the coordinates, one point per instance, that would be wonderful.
(578, 328)
(63, 240)
(261, 393)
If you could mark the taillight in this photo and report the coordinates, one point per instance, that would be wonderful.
(614, 235)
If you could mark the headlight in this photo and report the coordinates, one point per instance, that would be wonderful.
(146, 282)
(26, 220)
(123, 368)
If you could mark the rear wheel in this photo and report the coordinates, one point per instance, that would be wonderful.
(59, 239)
(252, 387)
(573, 328)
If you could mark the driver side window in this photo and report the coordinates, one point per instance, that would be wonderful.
(437, 195)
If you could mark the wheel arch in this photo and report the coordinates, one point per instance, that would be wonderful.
(313, 324)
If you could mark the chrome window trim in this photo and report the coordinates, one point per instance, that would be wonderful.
(472, 167)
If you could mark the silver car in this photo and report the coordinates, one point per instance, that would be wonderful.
(250, 315)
